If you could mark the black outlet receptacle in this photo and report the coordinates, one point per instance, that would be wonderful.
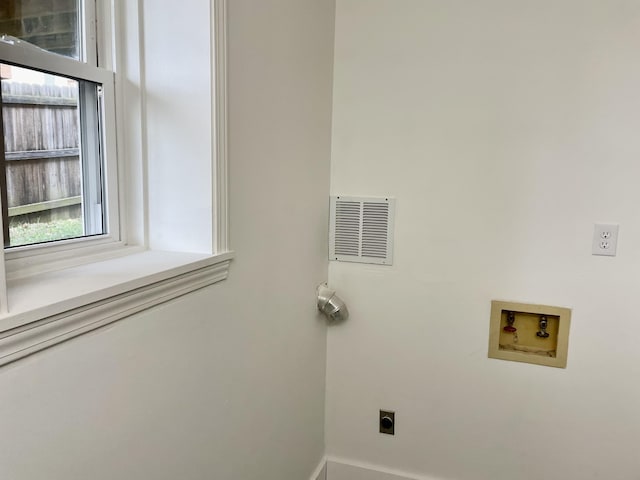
(387, 422)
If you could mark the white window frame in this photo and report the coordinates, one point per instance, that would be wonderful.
(29, 57)
(53, 293)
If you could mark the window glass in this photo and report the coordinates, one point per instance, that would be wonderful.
(52, 185)
(52, 25)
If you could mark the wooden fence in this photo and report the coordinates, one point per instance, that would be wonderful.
(41, 151)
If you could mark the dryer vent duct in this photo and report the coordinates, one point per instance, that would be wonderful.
(331, 305)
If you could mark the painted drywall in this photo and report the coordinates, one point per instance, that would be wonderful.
(505, 129)
(227, 382)
(178, 105)
(321, 471)
(340, 470)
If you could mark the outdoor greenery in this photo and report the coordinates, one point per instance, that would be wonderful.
(28, 233)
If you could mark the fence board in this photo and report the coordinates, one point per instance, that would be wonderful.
(42, 154)
(43, 206)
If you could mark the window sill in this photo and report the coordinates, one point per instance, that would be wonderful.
(52, 307)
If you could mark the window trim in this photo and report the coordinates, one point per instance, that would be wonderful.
(118, 277)
(220, 122)
(145, 280)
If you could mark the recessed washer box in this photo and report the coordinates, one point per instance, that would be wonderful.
(530, 333)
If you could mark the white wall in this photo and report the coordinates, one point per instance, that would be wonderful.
(227, 382)
(178, 81)
(505, 129)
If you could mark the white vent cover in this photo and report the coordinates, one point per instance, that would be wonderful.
(361, 230)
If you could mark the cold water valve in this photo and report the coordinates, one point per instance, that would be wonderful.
(544, 322)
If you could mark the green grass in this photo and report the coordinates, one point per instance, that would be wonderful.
(28, 233)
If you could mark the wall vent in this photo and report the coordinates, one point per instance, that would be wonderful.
(361, 230)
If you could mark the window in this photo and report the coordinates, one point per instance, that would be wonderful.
(58, 29)
(151, 223)
(57, 126)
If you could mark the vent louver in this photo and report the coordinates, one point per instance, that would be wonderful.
(361, 230)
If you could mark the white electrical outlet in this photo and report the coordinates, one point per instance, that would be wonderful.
(605, 240)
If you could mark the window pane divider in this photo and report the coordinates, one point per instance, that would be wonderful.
(23, 54)
(4, 222)
(3, 184)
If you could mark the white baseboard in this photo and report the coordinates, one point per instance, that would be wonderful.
(343, 469)
(320, 473)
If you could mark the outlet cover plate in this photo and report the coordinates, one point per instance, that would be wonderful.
(605, 240)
